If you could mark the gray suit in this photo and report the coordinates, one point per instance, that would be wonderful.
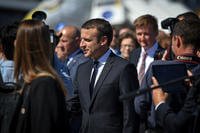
(78, 59)
(67, 72)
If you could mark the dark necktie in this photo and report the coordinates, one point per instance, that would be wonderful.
(142, 68)
(93, 78)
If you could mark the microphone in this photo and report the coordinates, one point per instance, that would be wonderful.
(149, 89)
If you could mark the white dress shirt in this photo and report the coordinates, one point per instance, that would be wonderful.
(102, 61)
(150, 57)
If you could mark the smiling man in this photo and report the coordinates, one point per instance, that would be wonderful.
(146, 28)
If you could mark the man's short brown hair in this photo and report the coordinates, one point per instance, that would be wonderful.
(146, 20)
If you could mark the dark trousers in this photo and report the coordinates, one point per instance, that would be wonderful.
(75, 123)
(144, 129)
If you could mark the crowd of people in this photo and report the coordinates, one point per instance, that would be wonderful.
(96, 64)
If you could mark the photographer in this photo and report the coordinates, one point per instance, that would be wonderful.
(169, 23)
(41, 16)
(185, 39)
(187, 120)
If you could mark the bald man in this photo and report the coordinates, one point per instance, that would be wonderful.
(68, 57)
(68, 51)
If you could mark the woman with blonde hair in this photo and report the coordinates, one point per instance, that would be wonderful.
(46, 112)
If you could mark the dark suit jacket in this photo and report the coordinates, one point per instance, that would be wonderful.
(105, 113)
(135, 55)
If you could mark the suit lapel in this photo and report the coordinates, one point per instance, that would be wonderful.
(137, 56)
(102, 77)
(86, 82)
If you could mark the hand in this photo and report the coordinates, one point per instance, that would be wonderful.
(165, 55)
(188, 82)
(73, 105)
(158, 94)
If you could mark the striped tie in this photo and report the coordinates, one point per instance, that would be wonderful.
(142, 68)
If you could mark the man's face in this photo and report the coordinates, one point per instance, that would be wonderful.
(67, 40)
(67, 44)
(89, 43)
(146, 37)
(114, 43)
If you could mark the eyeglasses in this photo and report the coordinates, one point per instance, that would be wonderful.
(127, 45)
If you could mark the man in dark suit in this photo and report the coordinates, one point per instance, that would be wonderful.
(102, 110)
(146, 29)
(185, 42)
(68, 57)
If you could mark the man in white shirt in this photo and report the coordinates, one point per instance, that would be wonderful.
(146, 29)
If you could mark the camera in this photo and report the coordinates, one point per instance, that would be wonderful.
(170, 71)
(169, 23)
(54, 39)
(40, 15)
